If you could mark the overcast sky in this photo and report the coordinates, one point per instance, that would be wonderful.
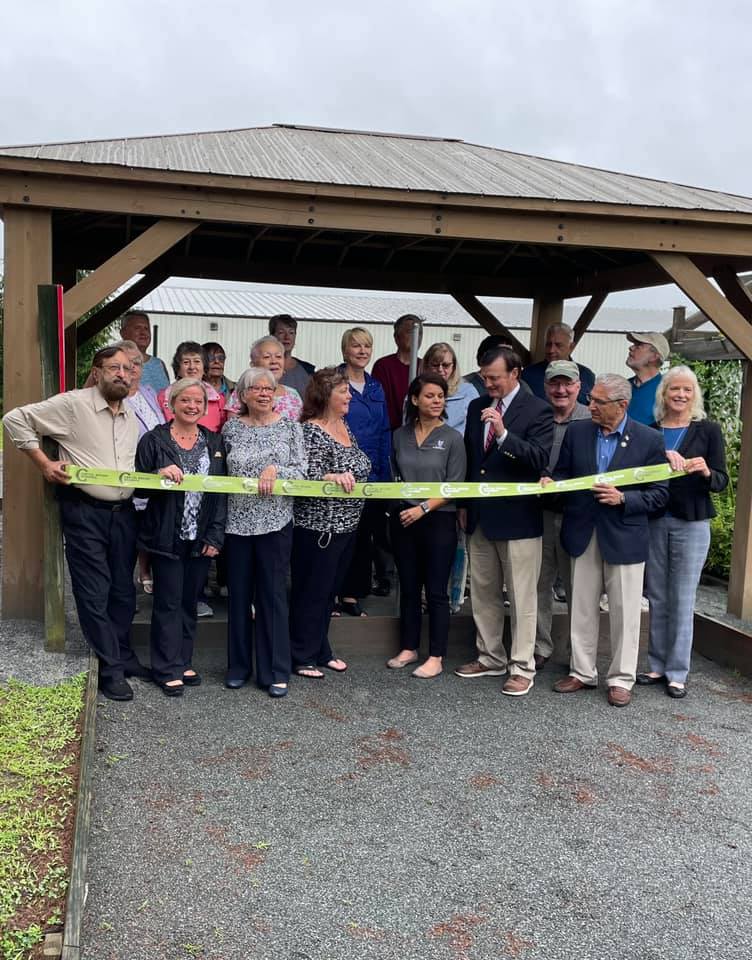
(658, 88)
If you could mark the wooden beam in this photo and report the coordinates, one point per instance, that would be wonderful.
(117, 307)
(735, 291)
(547, 309)
(124, 265)
(353, 278)
(740, 578)
(587, 316)
(712, 303)
(403, 216)
(53, 564)
(490, 322)
(28, 263)
(180, 179)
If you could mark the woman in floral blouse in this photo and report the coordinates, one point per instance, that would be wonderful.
(258, 534)
(325, 527)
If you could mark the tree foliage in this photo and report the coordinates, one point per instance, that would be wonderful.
(721, 383)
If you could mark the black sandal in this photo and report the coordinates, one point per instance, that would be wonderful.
(352, 609)
(317, 675)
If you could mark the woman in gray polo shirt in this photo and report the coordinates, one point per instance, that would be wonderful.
(424, 533)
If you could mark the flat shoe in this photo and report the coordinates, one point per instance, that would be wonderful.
(172, 690)
(396, 664)
(277, 690)
(192, 679)
(645, 680)
(233, 682)
(352, 609)
(421, 675)
(676, 693)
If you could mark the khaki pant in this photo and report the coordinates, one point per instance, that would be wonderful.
(515, 563)
(554, 559)
(591, 575)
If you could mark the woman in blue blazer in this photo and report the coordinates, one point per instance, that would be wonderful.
(680, 534)
(368, 420)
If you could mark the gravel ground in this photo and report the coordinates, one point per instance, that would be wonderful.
(370, 815)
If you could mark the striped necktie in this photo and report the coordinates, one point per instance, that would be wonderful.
(491, 435)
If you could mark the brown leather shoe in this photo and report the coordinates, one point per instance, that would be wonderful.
(619, 697)
(477, 669)
(517, 686)
(572, 685)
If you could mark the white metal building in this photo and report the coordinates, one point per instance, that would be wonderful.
(237, 317)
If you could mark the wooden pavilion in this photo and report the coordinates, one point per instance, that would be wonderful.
(348, 209)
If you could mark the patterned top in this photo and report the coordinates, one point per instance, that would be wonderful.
(287, 404)
(249, 450)
(326, 455)
(195, 460)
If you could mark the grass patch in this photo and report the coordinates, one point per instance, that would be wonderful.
(39, 750)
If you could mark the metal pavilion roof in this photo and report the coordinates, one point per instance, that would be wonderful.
(365, 159)
(362, 309)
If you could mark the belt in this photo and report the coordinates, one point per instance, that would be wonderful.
(113, 506)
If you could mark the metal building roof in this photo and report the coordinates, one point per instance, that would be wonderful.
(363, 310)
(364, 159)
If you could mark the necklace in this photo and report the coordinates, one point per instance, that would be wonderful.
(184, 436)
(678, 440)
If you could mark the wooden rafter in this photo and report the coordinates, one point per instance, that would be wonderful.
(586, 317)
(547, 309)
(489, 321)
(710, 301)
(117, 307)
(124, 265)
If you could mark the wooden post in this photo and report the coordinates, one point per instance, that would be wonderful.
(678, 319)
(740, 578)
(28, 263)
(547, 309)
(50, 335)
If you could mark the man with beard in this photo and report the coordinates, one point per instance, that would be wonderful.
(94, 428)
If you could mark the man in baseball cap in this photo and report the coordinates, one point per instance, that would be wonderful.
(646, 356)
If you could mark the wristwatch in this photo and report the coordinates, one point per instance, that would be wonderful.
(425, 507)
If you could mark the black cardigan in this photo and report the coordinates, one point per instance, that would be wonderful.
(160, 523)
(689, 497)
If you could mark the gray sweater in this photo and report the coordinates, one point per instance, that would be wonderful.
(440, 458)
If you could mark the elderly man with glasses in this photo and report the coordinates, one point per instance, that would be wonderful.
(94, 428)
(605, 532)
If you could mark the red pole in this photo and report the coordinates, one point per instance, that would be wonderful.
(61, 337)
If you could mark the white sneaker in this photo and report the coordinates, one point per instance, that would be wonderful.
(604, 603)
(644, 604)
(203, 609)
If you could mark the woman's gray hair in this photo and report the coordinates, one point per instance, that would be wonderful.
(617, 387)
(180, 386)
(697, 408)
(126, 345)
(561, 328)
(247, 379)
(257, 344)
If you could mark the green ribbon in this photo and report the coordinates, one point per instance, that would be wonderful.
(368, 491)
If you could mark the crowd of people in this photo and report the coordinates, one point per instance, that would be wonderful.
(289, 565)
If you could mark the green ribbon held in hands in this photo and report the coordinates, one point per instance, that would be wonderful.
(368, 491)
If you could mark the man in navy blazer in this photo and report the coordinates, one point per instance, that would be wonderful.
(605, 531)
(508, 439)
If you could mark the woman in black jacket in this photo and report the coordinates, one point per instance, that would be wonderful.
(181, 531)
(680, 537)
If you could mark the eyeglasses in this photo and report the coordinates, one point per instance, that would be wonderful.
(256, 388)
(442, 366)
(117, 367)
(217, 356)
(602, 403)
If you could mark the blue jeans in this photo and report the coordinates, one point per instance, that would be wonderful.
(678, 549)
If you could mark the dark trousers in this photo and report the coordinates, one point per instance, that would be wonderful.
(319, 564)
(257, 573)
(424, 553)
(100, 546)
(370, 547)
(177, 584)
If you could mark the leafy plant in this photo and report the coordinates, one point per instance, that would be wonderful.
(721, 383)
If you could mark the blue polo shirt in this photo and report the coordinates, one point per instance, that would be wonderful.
(605, 446)
(643, 400)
